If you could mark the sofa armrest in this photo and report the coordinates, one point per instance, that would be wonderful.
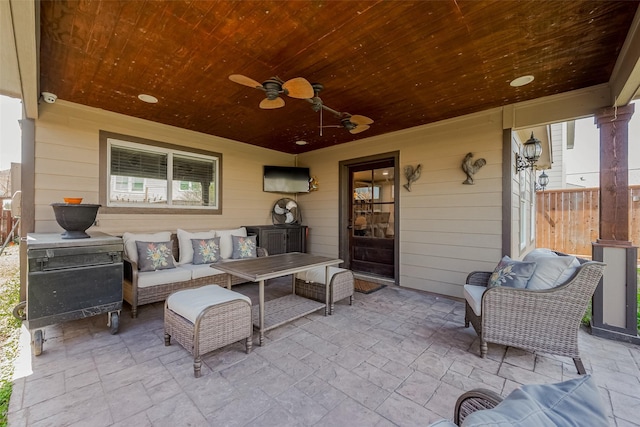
(479, 278)
(130, 270)
(261, 252)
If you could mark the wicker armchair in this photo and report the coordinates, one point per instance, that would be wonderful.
(545, 321)
(474, 400)
(574, 402)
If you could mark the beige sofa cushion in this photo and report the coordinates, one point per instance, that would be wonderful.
(186, 248)
(226, 244)
(161, 277)
(130, 239)
(201, 270)
(317, 274)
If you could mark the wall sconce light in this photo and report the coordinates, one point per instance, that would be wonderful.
(531, 153)
(543, 180)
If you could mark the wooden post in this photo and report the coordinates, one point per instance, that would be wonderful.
(614, 173)
(615, 299)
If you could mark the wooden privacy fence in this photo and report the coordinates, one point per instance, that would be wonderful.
(567, 220)
(6, 223)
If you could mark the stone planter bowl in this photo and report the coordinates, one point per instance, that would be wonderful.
(75, 218)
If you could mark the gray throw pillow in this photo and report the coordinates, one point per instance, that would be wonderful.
(206, 251)
(510, 273)
(244, 247)
(154, 256)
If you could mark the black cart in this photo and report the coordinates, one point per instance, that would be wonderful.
(71, 279)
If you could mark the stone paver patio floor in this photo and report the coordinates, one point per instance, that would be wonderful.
(397, 357)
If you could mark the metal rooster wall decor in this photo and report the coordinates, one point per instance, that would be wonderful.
(470, 168)
(412, 175)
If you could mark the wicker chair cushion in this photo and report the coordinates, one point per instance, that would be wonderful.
(538, 252)
(184, 242)
(473, 295)
(317, 274)
(511, 273)
(161, 277)
(189, 303)
(129, 240)
(552, 271)
(576, 402)
(226, 244)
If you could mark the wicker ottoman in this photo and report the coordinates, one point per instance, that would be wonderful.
(311, 284)
(207, 318)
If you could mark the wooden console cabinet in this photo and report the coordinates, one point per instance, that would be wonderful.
(280, 239)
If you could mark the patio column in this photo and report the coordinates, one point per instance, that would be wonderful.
(615, 299)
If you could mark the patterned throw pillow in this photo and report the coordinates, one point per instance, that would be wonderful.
(206, 251)
(510, 273)
(244, 247)
(154, 256)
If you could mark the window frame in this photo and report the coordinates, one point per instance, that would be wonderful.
(104, 181)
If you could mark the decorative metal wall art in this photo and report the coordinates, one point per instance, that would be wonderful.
(313, 184)
(470, 167)
(412, 175)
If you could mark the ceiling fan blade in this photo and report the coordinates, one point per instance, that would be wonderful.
(299, 88)
(246, 81)
(270, 104)
(359, 128)
(360, 120)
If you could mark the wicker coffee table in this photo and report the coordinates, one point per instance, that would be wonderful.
(282, 310)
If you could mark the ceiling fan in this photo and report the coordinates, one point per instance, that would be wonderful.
(298, 87)
(353, 123)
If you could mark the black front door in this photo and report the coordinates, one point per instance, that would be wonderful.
(371, 218)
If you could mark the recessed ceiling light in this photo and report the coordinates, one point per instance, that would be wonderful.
(521, 81)
(147, 98)
(301, 142)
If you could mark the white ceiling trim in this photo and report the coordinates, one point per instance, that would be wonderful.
(18, 53)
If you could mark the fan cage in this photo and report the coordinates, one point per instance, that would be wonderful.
(286, 211)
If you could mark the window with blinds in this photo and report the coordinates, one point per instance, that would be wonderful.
(149, 176)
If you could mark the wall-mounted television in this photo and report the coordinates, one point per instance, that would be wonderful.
(286, 179)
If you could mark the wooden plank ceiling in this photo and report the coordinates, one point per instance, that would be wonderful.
(400, 63)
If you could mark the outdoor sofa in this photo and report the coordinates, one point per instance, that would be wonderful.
(187, 269)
